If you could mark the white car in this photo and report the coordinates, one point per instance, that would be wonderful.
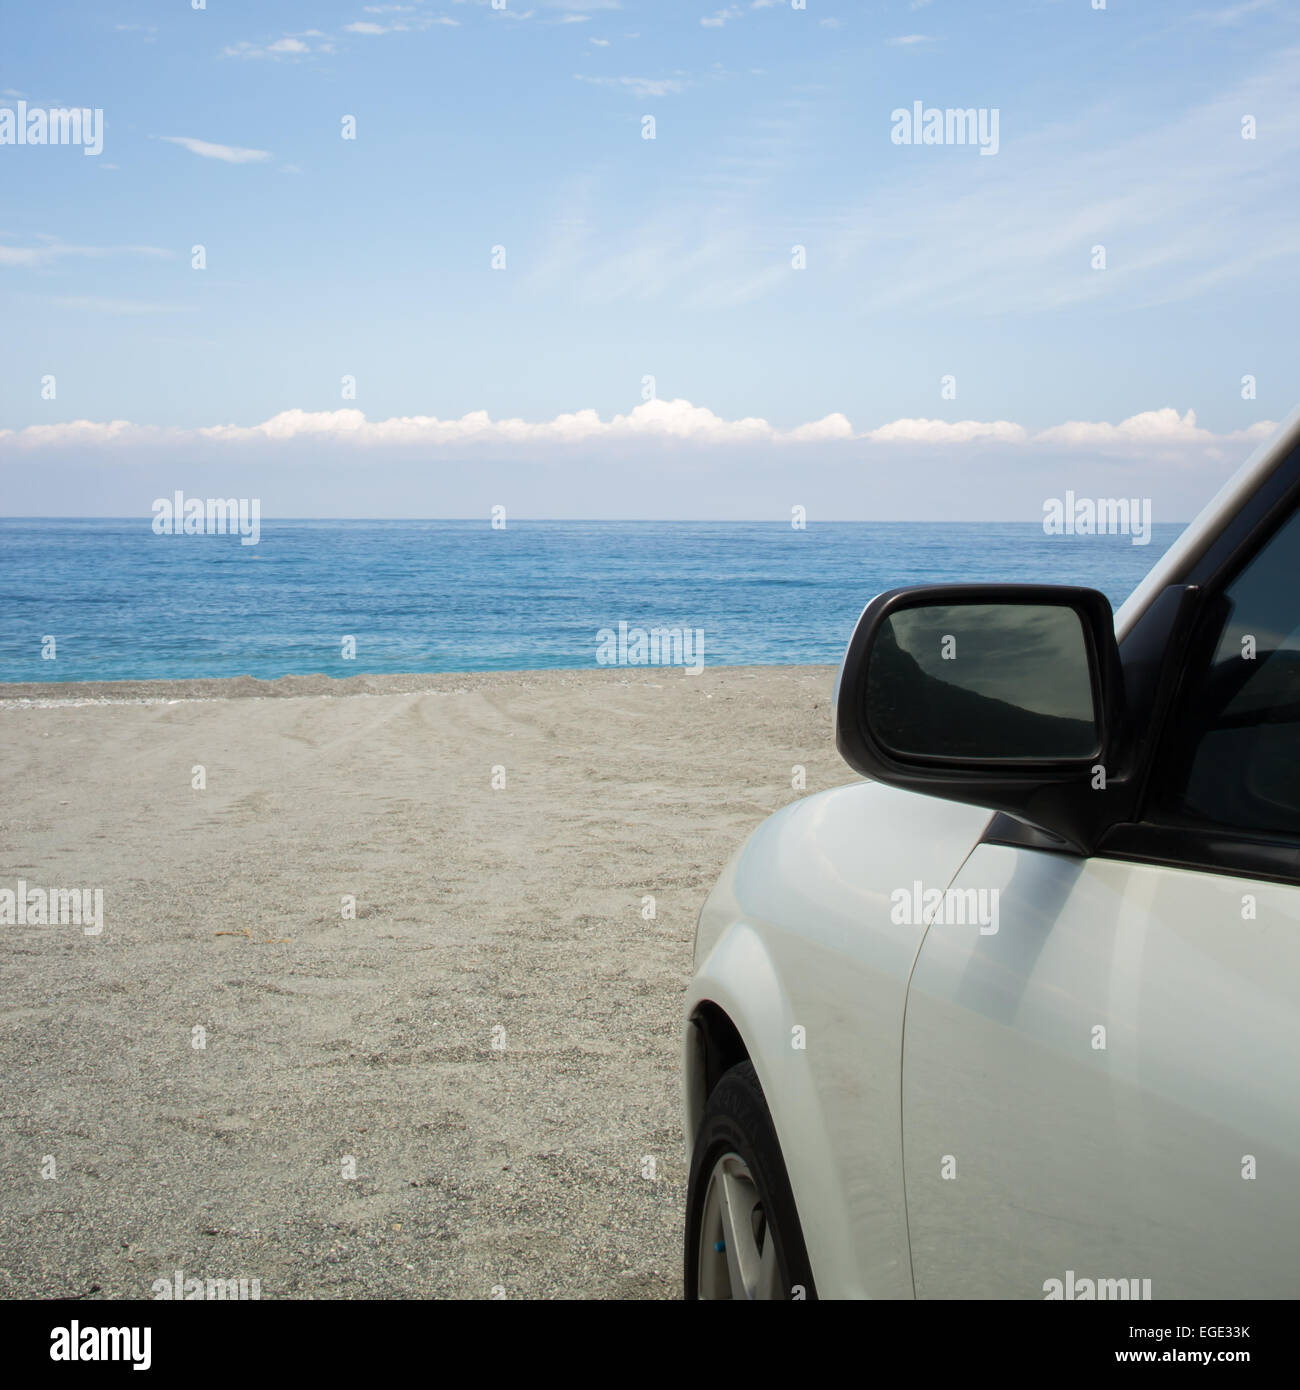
(1019, 1017)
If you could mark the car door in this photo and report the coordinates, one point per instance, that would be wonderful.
(1100, 1080)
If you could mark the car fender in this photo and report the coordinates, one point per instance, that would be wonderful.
(798, 935)
(740, 978)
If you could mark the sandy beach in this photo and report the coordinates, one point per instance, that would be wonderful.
(490, 1043)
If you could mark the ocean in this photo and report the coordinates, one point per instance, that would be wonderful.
(123, 603)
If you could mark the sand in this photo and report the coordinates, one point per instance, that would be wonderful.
(491, 1043)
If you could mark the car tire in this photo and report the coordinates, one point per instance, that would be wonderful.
(739, 1188)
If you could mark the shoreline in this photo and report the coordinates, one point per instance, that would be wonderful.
(191, 689)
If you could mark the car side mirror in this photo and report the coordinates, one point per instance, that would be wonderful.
(1008, 696)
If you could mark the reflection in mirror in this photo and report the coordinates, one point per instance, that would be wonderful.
(1005, 680)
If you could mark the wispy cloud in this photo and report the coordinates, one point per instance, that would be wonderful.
(1234, 14)
(49, 250)
(1176, 205)
(290, 46)
(638, 86)
(415, 22)
(228, 154)
(1173, 205)
(97, 304)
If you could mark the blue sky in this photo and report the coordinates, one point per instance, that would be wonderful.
(627, 258)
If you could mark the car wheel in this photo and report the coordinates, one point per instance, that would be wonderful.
(743, 1238)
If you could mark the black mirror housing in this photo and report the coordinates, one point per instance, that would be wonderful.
(1061, 769)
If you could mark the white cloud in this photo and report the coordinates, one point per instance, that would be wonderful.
(290, 46)
(948, 432)
(829, 427)
(911, 40)
(720, 17)
(678, 420)
(1151, 427)
(228, 154)
(86, 432)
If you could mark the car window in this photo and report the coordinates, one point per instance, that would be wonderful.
(1233, 758)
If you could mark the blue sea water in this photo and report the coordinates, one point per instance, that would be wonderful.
(124, 603)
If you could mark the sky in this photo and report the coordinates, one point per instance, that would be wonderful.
(500, 292)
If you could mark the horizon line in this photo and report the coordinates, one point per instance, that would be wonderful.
(621, 520)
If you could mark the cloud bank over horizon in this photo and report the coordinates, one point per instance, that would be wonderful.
(664, 420)
(663, 459)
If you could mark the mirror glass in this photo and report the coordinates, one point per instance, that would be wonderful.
(982, 680)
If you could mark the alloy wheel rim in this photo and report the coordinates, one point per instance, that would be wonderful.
(737, 1257)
